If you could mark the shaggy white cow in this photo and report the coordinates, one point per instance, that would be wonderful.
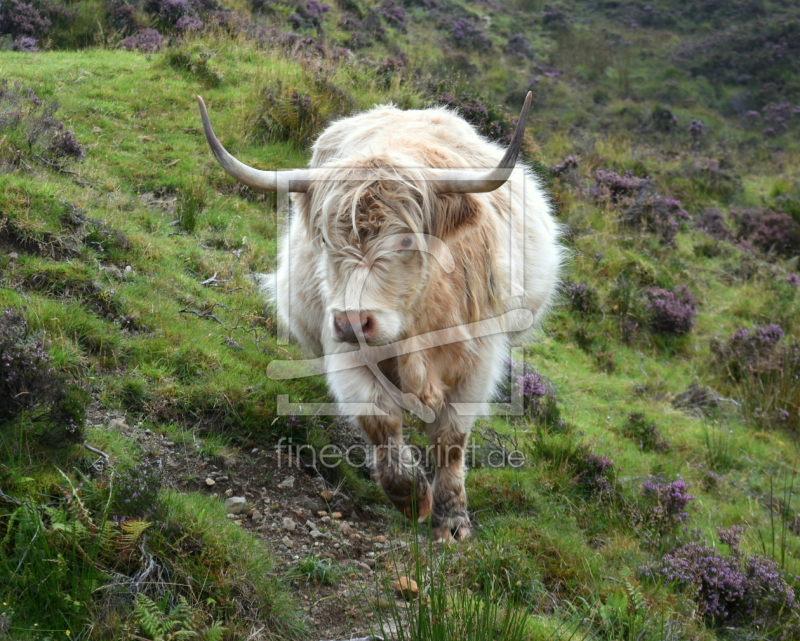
(390, 238)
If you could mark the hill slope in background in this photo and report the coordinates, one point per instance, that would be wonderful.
(657, 496)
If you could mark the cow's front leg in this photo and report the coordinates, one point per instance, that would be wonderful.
(396, 471)
(448, 439)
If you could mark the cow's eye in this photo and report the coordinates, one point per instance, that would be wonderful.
(406, 242)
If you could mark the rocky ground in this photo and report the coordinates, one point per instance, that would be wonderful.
(329, 548)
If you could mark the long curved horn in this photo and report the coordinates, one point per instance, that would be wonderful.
(292, 180)
(451, 181)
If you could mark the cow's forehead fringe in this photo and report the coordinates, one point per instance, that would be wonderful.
(358, 204)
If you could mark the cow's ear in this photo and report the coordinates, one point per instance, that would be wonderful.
(453, 213)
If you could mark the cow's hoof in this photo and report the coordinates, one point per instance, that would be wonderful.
(415, 504)
(455, 526)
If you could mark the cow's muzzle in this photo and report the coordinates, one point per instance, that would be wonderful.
(352, 326)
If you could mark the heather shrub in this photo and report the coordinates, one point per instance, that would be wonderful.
(394, 14)
(582, 298)
(464, 32)
(639, 204)
(712, 222)
(23, 19)
(145, 40)
(594, 475)
(363, 30)
(764, 372)
(29, 384)
(136, 491)
(671, 312)
(768, 231)
(666, 505)
(567, 169)
(747, 351)
(391, 68)
(645, 433)
(520, 46)
(696, 130)
(309, 15)
(30, 131)
(538, 394)
(733, 589)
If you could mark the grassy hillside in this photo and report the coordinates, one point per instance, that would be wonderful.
(664, 389)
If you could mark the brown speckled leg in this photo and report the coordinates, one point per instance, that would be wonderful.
(404, 484)
(449, 441)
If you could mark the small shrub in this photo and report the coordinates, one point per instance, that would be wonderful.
(671, 312)
(667, 504)
(309, 15)
(146, 41)
(177, 15)
(747, 351)
(25, 44)
(291, 114)
(582, 298)
(768, 231)
(712, 222)
(594, 474)
(732, 589)
(465, 33)
(696, 130)
(137, 488)
(391, 68)
(639, 204)
(538, 394)
(393, 13)
(28, 383)
(555, 19)
(31, 131)
(519, 45)
(645, 433)
(21, 19)
(566, 169)
(311, 569)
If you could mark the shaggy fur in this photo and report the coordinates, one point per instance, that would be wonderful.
(366, 241)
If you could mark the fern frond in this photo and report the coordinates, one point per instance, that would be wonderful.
(150, 618)
(215, 633)
(131, 532)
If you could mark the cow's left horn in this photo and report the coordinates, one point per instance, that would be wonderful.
(292, 180)
(452, 181)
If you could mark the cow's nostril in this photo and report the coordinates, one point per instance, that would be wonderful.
(367, 324)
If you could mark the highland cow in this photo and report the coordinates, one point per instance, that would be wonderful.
(409, 229)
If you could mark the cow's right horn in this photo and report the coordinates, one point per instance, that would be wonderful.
(456, 181)
(291, 180)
